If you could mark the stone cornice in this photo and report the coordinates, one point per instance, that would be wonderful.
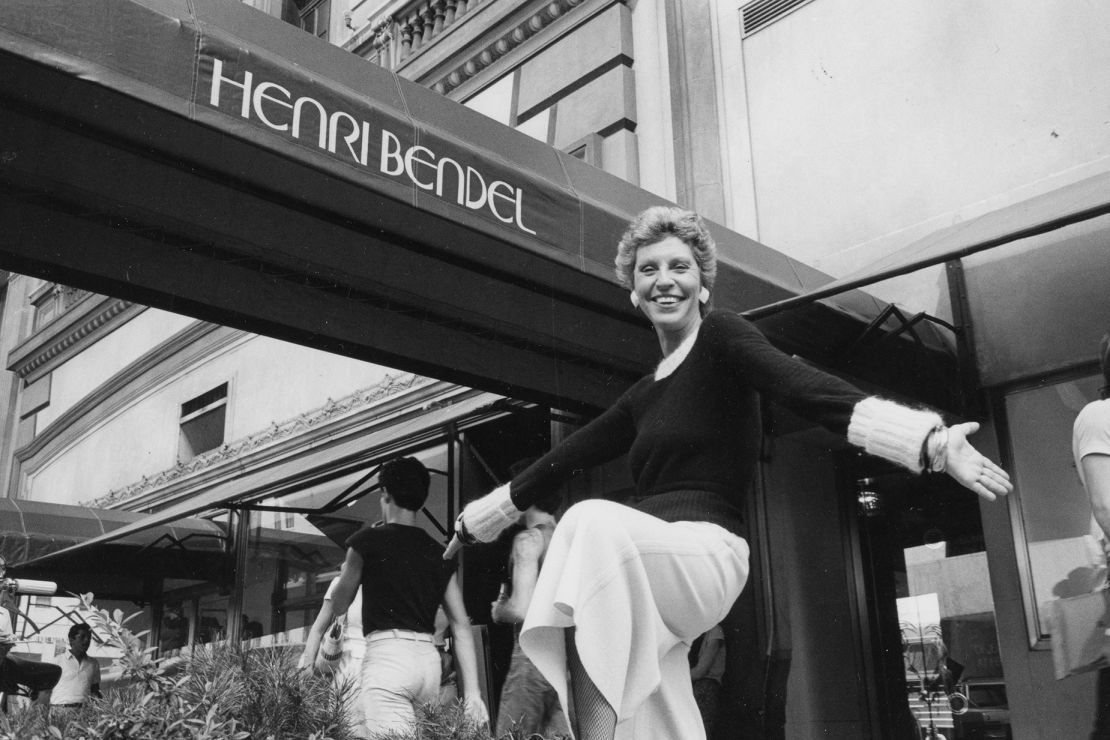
(470, 52)
(87, 321)
(198, 340)
(506, 49)
(352, 415)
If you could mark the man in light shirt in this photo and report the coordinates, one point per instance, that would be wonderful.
(80, 671)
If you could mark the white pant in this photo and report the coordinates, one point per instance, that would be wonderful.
(397, 674)
(348, 677)
(637, 591)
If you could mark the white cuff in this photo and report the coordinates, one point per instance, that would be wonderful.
(891, 431)
(487, 517)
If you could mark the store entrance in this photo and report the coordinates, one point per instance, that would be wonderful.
(933, 639)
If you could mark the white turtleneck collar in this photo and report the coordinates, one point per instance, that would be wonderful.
(671, 362)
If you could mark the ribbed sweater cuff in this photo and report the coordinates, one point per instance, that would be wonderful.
(487, 517)
(891, 431)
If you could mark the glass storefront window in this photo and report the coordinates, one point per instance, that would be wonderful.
(288, 568)
(932, 608)
(211, 618)
(194, 606)
(1057, 555)
(193, 613)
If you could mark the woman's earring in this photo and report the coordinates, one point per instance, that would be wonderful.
(635, 299)
(703, 296)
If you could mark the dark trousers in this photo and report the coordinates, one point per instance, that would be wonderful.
(529, 704)
(753, 689)
(35, 676)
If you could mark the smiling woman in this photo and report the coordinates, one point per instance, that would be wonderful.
(625, 590)
(669, 290)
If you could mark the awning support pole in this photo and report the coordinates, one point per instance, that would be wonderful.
(969, 397)
(237, 582)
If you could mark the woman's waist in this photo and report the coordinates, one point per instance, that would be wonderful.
(692, 504)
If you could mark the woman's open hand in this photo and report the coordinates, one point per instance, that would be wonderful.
(970, 468)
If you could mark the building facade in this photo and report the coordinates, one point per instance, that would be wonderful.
(119, 409)
(835, 132)
(843, 134)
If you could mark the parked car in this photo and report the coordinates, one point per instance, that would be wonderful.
(987, 715)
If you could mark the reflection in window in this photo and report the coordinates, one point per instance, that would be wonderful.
(1051, 511)
(929, 589)
(194, 608)
(285, 564)
(211, 618)
(174, 632)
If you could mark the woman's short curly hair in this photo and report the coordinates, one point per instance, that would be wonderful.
(657, 223)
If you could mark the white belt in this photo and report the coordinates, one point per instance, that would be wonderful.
(399, 635)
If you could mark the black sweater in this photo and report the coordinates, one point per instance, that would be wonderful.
(693, 437)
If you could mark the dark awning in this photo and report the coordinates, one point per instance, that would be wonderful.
(1040, 305)
(332, 461)
(34, 533)
(34, 529)
(171, 152)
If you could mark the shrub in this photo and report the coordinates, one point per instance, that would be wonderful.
(440, 722)
(266, 692)
(219, 692)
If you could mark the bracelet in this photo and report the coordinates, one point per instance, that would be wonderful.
(938, 449)
(463, 534)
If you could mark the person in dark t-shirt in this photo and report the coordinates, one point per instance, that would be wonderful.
(404, 579)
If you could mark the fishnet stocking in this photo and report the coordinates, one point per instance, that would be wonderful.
(591, 715)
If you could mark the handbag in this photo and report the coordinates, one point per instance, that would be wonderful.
(1079, 633)
(331, 647)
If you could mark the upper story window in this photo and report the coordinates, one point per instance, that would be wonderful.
(52, 300)
(588, 149)
(315, 17)
(202, 423)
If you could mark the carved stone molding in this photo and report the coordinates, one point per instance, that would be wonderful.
(483, 56)
(86, 321)
(306, 425)
(144, 373)
(443, 44)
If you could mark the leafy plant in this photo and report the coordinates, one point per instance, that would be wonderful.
(268, 694)
(219, 692)
(440, 722)
(25, 722)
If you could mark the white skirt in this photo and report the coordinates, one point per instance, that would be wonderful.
(637, 591)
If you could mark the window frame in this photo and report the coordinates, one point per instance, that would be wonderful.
(192, 416)
(311, 10)
(1037, 622)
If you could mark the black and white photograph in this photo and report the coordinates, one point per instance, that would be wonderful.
(554, 370)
